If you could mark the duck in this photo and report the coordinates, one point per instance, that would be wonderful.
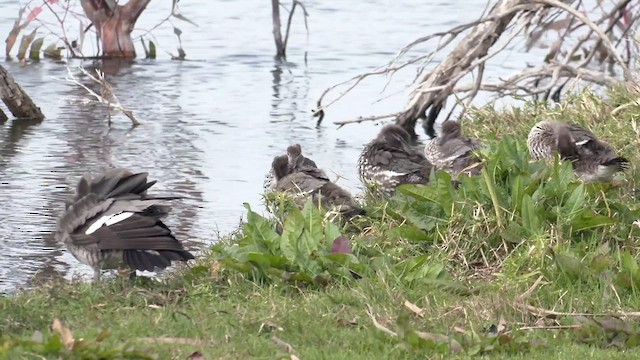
(296, 162)
(110, 221)
(313, 182)
(389, 160)
(453, 152)
(593, 160)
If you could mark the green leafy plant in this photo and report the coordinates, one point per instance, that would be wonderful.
(513, 200)
(309, 249)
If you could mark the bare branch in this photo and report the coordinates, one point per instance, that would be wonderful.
(105, 89)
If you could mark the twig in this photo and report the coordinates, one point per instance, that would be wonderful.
(377, 324)
(103, 83)
(365, 118)
(286, 346)
(554, 314)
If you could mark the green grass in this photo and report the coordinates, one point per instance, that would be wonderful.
(435, 269)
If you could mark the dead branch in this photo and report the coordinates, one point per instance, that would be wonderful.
(570, 61)
(106, 97)
(281, 45)
(16, 99)
(277, 34)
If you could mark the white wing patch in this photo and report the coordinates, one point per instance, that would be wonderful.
(580, 143)
(108, 220)
(390, 173)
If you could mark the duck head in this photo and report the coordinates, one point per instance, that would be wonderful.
(280, 166)
(294, 155)
(394, 135)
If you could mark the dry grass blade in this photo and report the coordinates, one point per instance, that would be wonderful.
(377, 324)
(414, 308)
(554, 314)
(172, 340)
(66, 336)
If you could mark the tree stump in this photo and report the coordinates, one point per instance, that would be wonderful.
(114, 24)
(16, 100)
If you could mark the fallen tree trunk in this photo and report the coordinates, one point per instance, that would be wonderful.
(16, 100)
(114, 24)
(474, 46)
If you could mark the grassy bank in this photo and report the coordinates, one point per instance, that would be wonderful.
(500, 267)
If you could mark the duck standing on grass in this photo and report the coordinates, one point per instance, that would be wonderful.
(592, 159)
(453, 152)
(313, 182)
(389, 161)
(110, 220)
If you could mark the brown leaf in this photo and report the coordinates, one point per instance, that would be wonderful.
(414, 308)
(341, 245)
(196, 355)
(66, 336)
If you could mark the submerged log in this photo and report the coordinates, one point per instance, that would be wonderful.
(16, 100)
(114, 24)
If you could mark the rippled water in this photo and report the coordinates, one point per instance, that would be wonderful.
(209, 127)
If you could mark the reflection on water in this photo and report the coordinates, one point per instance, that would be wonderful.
(210, 127)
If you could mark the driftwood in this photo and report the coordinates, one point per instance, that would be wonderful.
(16, 100)
(587, 50)
(114, 24)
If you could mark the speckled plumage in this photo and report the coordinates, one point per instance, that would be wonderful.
(313, 182)
(110, 220)
(389, 161)
(592, 159)
(453, 152)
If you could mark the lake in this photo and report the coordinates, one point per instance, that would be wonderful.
(211, 126)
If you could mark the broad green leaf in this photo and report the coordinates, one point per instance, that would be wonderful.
(590, 221)
(575, 201)
(424, 215)
(517, 192)
(313, 235)
(419, 192)
(342, 259)
(408, 232)
(530, 219)
(53, 52)
(34, 52)
(259, 230)
(24, 44)
(293, 228)
(152, 50)
(571, 266)
(629, 264)
(267, 260)
(331, 232)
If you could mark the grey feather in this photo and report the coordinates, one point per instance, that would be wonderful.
(97, 239)
(389, 161)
